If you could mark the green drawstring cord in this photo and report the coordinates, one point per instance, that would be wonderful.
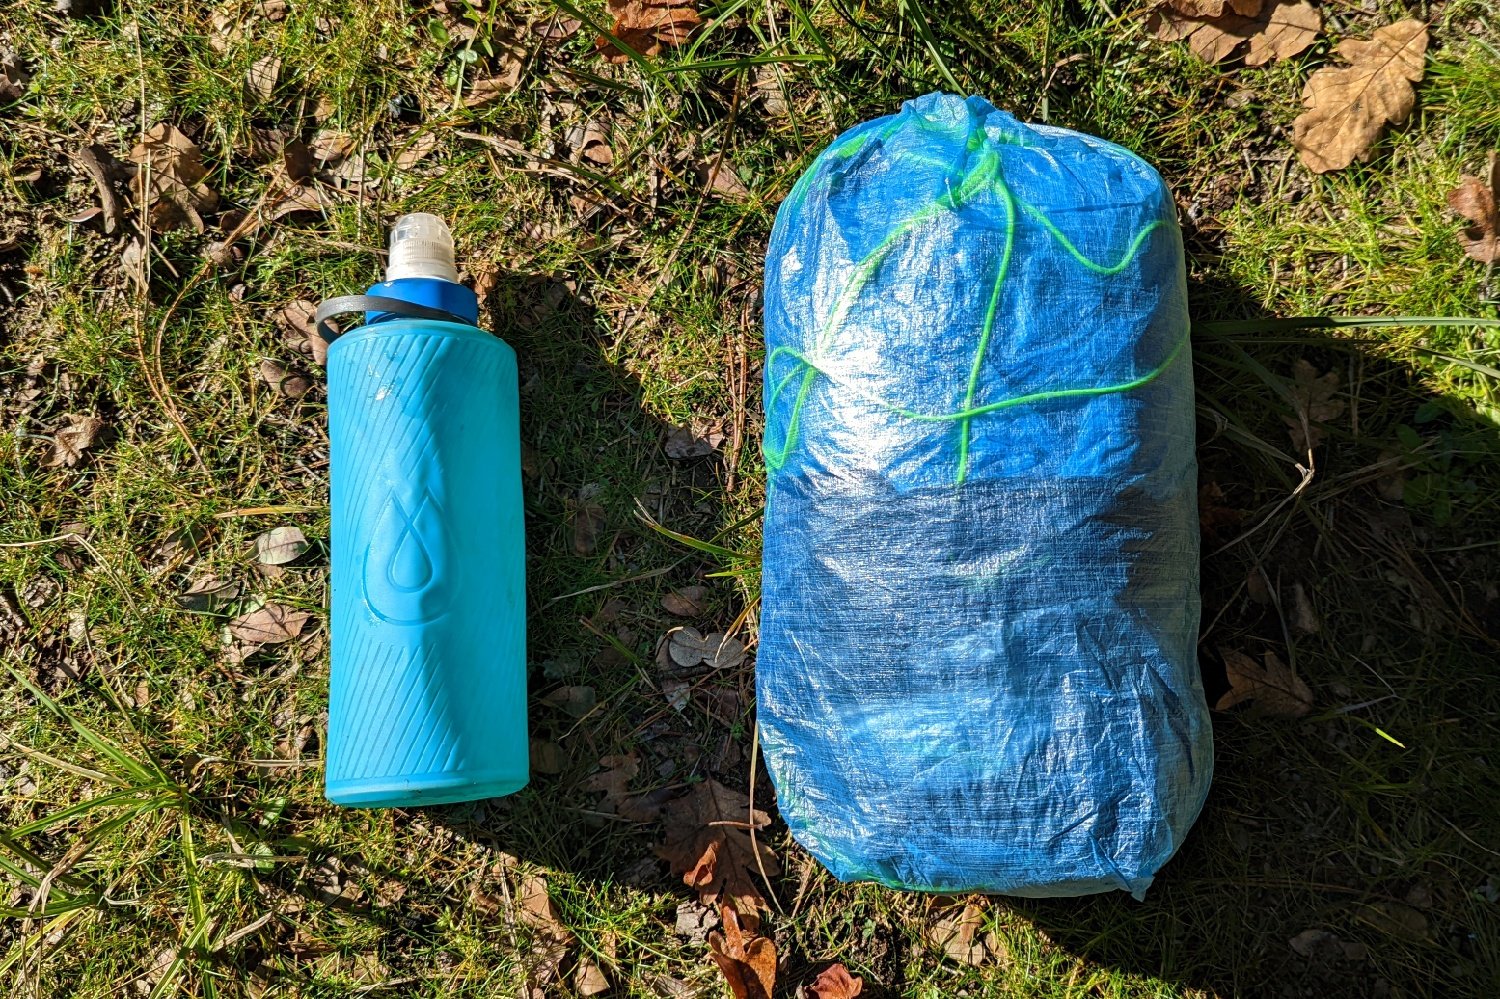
(985, 175)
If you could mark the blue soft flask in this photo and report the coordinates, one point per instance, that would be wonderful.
(427, 681)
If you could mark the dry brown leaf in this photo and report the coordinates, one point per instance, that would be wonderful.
(647, 26)
(1273, 688)
(1304, 618)
(414, 152)
(556, 29)
(588, 524)
(1283, 30)
(295, 161)
(836, 983)
(708, 844)
(747, 959)
(69, 442)
(13, 76)
(280, 545)
(575, 700)
(262, 76)
(208, 594)
(551, 937)
(1325, 946)
(770, 90)
(270, 624)
(1279, 31)
(547, 757)
(720, 178)
(1478, 200)
(287, 384)
(955, 933)
(511, 64)
(696, 441)
(1396, 919)
(1314, 403)
(589, 977)
(614, 780)
(298, 323)
(171, 178)
(1349, 106)
(687, 649)
(97, 162)
(595, 147)
(330, 145)
(686, 602)
(1215, 8)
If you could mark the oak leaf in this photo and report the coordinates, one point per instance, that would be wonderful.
(1349, 106)
(1278, 31)
(708, 843)
(747, 959)
(1273, 688)
(647, 26)
(1478, 200)
(836, 983)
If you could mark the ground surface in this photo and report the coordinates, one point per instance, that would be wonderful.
(164, 830)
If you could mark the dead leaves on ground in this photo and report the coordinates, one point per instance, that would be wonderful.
(171, 179)
(835, 982)
(614, 780)
(648, 26)
(747, 959)
(551, 938)
(588, 520)
(689, 601)
(1218, 31)
(269, 624)
(280, 545)
(1478, 200)
(687, 650)
(1270, 686)
(1348, 107)
(708, 843)
(72, 439)
(1314, 403)
(955, 933)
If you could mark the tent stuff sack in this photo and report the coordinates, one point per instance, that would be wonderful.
(977, 666)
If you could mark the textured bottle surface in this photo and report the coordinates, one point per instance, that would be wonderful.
(427, 686)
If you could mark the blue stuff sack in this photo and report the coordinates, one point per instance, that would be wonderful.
(977, 666)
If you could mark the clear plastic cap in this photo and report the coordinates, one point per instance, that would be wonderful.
(421, 247)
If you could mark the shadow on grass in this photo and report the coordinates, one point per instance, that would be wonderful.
(1347, 852)
(1350, 851)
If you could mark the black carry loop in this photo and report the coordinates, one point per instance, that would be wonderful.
(365, 304)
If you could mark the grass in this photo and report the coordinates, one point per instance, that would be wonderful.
(162, 828)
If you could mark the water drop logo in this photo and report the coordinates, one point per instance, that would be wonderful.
(406, 561)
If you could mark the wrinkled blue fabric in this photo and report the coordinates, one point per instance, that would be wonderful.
(977, 667)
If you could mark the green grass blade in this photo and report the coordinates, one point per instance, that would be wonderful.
(913, 11)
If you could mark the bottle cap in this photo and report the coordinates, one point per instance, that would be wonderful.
(421, 247)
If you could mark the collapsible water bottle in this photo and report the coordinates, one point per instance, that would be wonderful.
(427, 682)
